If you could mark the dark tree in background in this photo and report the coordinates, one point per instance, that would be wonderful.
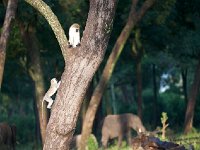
(10, 15)
(134, 18)
(36, 73)
(189, 115)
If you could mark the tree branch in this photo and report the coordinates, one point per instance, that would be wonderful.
(145, 7)
(45, 10)
(10, 15)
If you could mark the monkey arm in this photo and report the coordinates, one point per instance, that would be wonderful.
(58, 85)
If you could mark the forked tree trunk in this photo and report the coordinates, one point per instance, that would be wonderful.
(35, 71)
(133, 19)
(80, 65)
(189, 115)
(10, 15)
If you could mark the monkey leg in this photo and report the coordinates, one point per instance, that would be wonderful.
(79, 44)
(50, 101)
(69, 45)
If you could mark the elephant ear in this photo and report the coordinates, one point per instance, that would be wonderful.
(14, 130)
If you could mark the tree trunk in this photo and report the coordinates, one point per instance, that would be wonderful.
(138, 52)
(192, 100)
(155, 96)
(80, 66)
(37, 124)
(112, 90)
(108, 102)
(184, 78)
(10, 15)
(35, 71)
(86, 101)
(133, 19)
(139, 86)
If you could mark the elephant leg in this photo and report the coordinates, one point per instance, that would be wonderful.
(104, 141)
(120, 141)
(128, 137)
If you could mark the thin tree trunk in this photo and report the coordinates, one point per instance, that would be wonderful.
(139, 87)
(154, 95)
(10, 15)
(133, 19)
(189, 115)
(37, 124)
(184, 78)
(112, 90)
(106, 99)
(138, 52)
(98, 119)
(36, 73)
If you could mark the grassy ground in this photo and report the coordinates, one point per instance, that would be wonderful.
(192, 139)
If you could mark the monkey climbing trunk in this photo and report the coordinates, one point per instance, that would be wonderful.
(133, 19)
(189, 115)
(10, 15)
(81, 64)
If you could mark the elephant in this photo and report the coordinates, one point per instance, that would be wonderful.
(119, 126)
(7, 136)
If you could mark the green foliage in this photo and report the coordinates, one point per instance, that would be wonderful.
(191, 139)
(92, 143)
(170, 103)
(164, 118)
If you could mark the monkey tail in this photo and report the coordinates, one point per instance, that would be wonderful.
(42, 110)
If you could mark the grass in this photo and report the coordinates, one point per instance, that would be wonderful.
(192, 138)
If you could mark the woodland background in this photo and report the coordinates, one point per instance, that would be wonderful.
(156, 71)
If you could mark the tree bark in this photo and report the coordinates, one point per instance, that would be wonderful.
(184, 78)
(138, 52)
(37, 124)
(133, 19)
(10, 15)
(108, 103)
(139, 87)
(35, 71)
(155, 95)
(80, 66)
(113, 97)
(192, 100)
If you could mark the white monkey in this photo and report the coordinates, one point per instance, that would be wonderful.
(53, 88)
(74, 35)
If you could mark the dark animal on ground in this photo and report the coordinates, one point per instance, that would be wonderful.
(144, 142)
(119, 126)
(7, 136)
